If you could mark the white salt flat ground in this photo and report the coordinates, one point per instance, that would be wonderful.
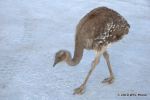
(31, 31)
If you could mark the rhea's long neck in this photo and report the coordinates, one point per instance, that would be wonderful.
(78, 53)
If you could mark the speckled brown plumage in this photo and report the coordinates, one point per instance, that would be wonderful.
(101, 27)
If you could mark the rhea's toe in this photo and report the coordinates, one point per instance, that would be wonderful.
(80, 90)
(108, 80)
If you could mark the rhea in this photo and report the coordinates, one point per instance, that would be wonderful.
(96, 31)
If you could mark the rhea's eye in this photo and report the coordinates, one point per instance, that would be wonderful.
(59, 58)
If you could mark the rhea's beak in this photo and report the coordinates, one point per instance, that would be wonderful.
(54, 64)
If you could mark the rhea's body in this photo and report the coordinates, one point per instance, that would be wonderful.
(100, 27)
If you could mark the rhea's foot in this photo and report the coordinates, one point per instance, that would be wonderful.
(108, 80)
(80, 90)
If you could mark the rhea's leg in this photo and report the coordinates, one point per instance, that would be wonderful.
(80, 90)
(111, 78)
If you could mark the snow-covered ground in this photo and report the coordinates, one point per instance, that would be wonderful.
(31, 31)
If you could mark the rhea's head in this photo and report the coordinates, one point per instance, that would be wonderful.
(59, 57)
